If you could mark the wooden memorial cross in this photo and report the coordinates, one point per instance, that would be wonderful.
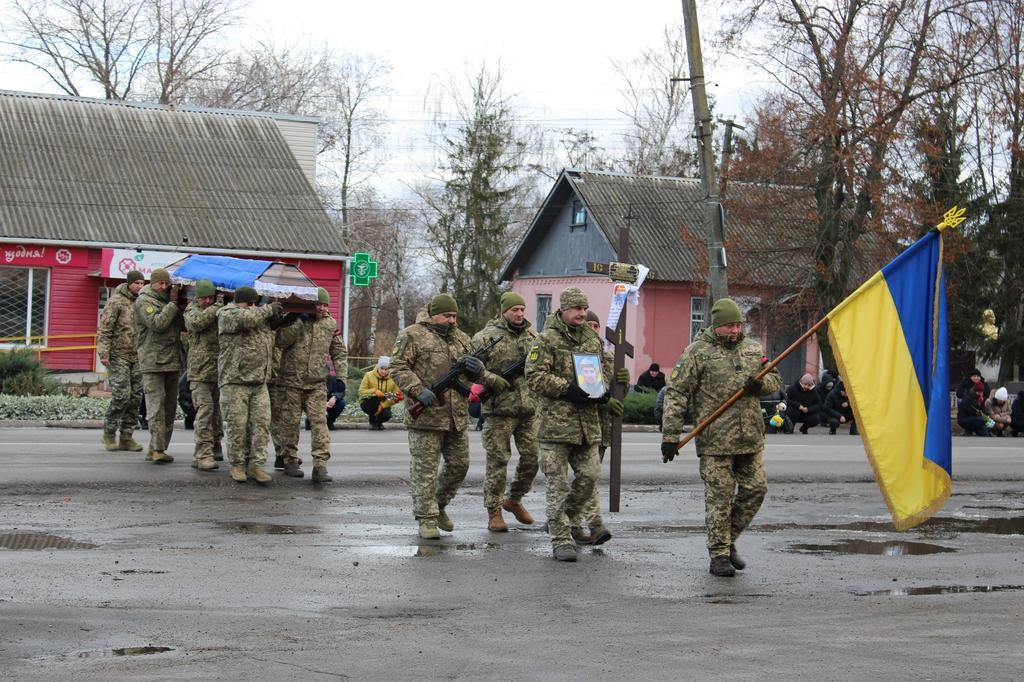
(620, 271)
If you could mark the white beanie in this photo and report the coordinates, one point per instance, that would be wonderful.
(383, 362)
(1001, 394)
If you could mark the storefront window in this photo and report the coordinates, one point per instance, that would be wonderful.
(24, 296)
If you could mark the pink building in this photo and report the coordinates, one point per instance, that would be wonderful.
(580, 221)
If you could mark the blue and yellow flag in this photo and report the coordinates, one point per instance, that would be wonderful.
(890, 340)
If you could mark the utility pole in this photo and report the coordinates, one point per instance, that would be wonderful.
(727, 149)
(718, 283)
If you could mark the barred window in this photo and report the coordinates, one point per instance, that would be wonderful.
(24, 297)
(697, 319)
(543, 309)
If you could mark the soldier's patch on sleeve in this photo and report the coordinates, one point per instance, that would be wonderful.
(150, 309)
(675, 373)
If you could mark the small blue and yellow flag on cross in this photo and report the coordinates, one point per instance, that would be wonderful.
(890, 338)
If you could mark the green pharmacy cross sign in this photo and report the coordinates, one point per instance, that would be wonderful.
(362, 269)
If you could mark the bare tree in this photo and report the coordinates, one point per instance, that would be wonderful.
(77, 43)
(657, 142)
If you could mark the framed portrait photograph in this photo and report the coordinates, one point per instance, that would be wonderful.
(588, 373)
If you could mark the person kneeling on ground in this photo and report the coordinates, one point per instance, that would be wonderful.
(378, 393)
(838, 410)
(997, 408)
(804, 403)
(970, 414)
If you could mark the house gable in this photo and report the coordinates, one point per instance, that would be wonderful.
(564, 248)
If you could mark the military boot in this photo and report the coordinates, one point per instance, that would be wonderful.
(734, 558)
(599, 535)
(218, 452)
(443, 522)
(161, 457)
(207, 464)
(495, 523)
(149, 455)
(428, 529)
(320, 474)
(565, 553)
(128, 443)
(258, 474)
(721, 567)
(293, 469)
(238, 473)
(279, 463)
(108, 442)
(518, 511)
(580, 536)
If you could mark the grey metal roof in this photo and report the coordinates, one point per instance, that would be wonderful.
(90, 171)
(770, 230)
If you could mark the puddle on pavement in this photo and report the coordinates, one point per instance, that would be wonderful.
(467, 548)
(894, 548)
(1012, 525)
(266, 528)
(141, 650)
(32, 541)
(939, 589)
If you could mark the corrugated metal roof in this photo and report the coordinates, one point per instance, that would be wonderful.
(83, 170)
(770, 230)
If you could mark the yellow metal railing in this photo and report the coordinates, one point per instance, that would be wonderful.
(28, 342)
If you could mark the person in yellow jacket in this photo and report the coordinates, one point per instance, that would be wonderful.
(377, 394)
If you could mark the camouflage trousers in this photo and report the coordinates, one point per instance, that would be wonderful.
(590, 515)
(564, 500)
(209, 427)
(287, 422)
(161, 390)
(734, 488)
(125, 382)
(497, 437)
(275, 423)
(427, 449)
(246, 412)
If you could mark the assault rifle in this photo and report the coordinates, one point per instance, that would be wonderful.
(509, 374)
(451, 380)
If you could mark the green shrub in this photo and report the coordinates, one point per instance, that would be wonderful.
(639, 408)
(22, 374)
(51, 407)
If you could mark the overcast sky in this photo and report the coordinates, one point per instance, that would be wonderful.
(556, 55)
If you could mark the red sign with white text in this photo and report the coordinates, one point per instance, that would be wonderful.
(43, 255)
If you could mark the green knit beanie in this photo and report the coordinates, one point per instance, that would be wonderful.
(442, 303)
(134, 276)
(509, 299)
(592, 317)
(725, 311)
(204, 287)
(322, 297)
(246, 295)
(160, 275)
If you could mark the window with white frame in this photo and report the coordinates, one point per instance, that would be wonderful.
(543, 309)
(24, 297)
(697, 316)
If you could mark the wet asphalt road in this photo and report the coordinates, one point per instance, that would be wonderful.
(174, 574)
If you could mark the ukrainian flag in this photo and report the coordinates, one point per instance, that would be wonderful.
(890, 340)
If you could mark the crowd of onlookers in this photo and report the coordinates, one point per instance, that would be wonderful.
(984, 412)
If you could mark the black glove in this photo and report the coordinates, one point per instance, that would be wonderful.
(473, 365)
(753, 386)
(668, 451)
(426, 397)
(577, 395)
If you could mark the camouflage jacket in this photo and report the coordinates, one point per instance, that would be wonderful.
(707, 373)
(246, 344)
(514, 345)
(305, 345)
(423, 353)
(116, 335)
(203, 348)
(550, 371)
(158, 327)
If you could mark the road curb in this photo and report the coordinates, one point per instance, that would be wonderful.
(347, 426)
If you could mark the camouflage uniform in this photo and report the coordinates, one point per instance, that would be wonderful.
(158, 327)
(203, 349)
(115, 342)
(569, 433)
(243, 369)
(709, 371)
(508, 414)
(423, 353)
(591, 514)
(301, 381)
(275, 422)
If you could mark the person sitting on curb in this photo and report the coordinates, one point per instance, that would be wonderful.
(804, 404)
(839, 411)
(997, 407)
(970, 414)
(378, 393)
